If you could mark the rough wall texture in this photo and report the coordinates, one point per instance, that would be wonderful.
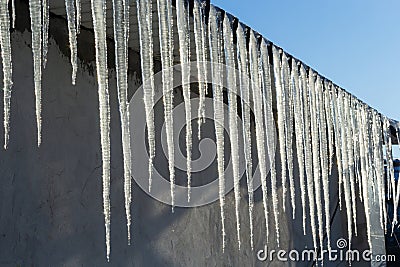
(51, 197)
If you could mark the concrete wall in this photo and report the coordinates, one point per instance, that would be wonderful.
(51, 197)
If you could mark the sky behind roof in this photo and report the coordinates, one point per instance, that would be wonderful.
(354, 43)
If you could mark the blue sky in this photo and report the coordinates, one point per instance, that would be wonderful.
(354, 43)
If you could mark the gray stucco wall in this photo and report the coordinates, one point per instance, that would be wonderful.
(51, 197)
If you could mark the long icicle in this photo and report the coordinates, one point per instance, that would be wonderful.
(45, 30)
(398, 132)
(205, 43)
(281, 119)
(5, 46)
(36, 28)
(13, 13)
(215, 32)
(329, 124)
(121, 37)
(389, 156)
(344, 148)
(356, 148)
(71, 18)
(390, 170)
(99, 24)
(197, 21)
(363, 165)
(324, 156)
(379, 169)
(78, 6)
(357, 123)
(382, 170)
(365, 178)
(270, 130)
(259, 120)
(245, 97)
(371, 173)
(369, 154)
(199, 34)
(184, 49)
(314, 105)
(308, 151)
(288, 105)
(338, 139)
(144, 11)
(166, 47)
(233, 124)
(299, 130)
(351, 164)
(331, 142)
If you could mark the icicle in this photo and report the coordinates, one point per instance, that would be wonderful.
(299, 130)
(329, 124)
(99, 24)
(121, 36)
(287, 93)
(379, 169)
(201, 57)
(371, 173)
(259, 120)
(5, 46)
(350, 146)
(363, 165)
(389, 158)
(184, 49)
(36, 28)
(270, 130)
(205, 43)
(369, 154)
(166, 47)
(390, 169)
(338, 140)
(233, 127)
(45, 30)
(144, 11)
(323, 145)
(314, 104)
(398, 133)
(70, 8)
(281, 118)
(245, 97)
(215, 38)
(197, 21)
(365, 180)
(396, 194)
(13, 13)
(356, 146)
(344, 148)
(78, 15)
(308, 151)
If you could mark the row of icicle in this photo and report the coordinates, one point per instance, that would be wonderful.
(325, 124)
